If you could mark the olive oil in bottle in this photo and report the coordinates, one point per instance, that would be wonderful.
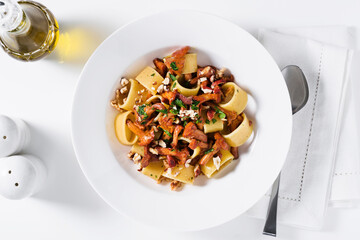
(28, 30)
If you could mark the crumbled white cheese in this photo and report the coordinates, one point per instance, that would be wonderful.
(205, 90)
(220, 73)
(162, 143)
(160, 88)
(187, 163)
(123, 90)
(216, 161)
(212, 78)
(166, 81)
(139, 166)
(136, 158)
(124, 82)
(130, 155)
(143, 90)
(203, 79)
(188, 113)
(152, 88)
(153, 151)
(167, 88)
(176, 174)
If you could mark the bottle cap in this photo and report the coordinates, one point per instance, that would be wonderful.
(11, 15)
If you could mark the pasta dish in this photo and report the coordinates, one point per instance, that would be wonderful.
(182, 120)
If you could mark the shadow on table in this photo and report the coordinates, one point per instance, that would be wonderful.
(77, 41)
(65, 183)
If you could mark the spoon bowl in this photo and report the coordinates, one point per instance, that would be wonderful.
(297, 87)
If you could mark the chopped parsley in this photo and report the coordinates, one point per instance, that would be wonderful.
(207, 121)
(167, 132)
(198, 121)
(142, 112)
(179, 103)
(221, 113)
(164, 111)
(194, 105)
(185, 123)
(172, 78)
(173, 66)
(213, 120)
(174, 111)
(209, 151)
(172, 150)
(153, 74)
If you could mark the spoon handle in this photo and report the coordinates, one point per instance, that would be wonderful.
(270, 223)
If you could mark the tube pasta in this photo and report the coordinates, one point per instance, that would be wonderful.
(154, 170)
(150, 79)
(136, 148)
(197, 150)
(130, 101)
(123, 133)
(190, 65)
(181, 173)
(214, 127)
(186, 91)
(240, 134)
(235, 99)
(209, 169)
(152, 100)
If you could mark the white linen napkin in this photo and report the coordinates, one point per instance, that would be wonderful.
(327, 119)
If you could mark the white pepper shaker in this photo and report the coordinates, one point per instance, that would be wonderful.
(14, 135)
(21, 176)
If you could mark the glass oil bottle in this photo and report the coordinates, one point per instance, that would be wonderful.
(28, 30)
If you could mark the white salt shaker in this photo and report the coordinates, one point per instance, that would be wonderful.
(14, 135)
(21, 176)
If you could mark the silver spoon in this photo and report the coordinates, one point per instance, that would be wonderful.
(299, 94)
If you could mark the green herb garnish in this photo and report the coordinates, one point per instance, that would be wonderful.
(167, 132)
(142, 112)
(185, 123)
(173, 66)
(153, 74)
(194, 105)
(173, 78)
(221, 113)
(213, 120)
(172, 150)
(209, 151)
(164, 111)
(198, 121)
(179, 103)
(207, 121)
(174, 111)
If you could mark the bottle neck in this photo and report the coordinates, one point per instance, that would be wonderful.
(23, 26)
(12, 17)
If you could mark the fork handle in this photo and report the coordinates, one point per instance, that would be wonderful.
(270, 223)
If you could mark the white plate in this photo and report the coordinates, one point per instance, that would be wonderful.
(207, 203)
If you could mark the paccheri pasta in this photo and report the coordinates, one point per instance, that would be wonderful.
(181, 119)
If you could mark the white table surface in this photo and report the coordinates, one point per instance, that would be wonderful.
(41, 93)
